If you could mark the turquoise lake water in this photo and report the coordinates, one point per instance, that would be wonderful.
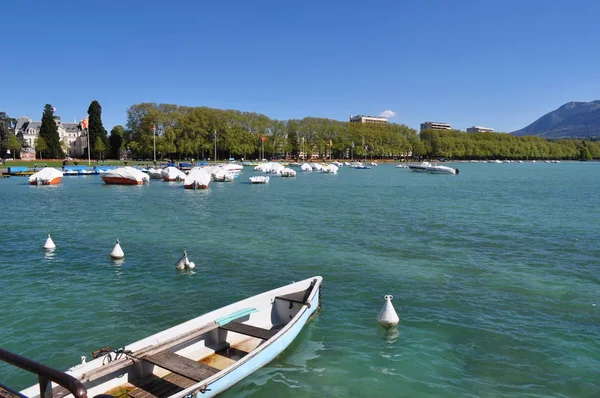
(495, 275)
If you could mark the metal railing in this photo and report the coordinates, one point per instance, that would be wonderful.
(45, 374)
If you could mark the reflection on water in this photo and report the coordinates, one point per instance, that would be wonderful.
(49, 254)
(118, 262)
(285, 369)
(390, 335)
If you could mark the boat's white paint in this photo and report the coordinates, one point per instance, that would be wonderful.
(419, 167)
(439, 169)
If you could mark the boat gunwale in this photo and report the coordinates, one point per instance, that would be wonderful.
(198, 387)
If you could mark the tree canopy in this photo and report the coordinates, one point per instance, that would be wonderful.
(6, 130)
(96, 130)
(190, 132)
(49, 132)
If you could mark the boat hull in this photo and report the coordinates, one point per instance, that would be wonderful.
(278, 316)
(270, 351)
(196, 186)
(120, 181)
(53, 181)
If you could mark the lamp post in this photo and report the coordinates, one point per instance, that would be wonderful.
(215, 137)
(154, 134)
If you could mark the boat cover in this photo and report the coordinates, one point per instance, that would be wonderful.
(46, 174)
(198, 175)
(129, 173)
(172, 173)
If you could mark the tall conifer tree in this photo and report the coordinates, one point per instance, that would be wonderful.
(49, 132)
(96, 130)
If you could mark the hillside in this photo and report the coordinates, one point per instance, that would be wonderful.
(572, 120)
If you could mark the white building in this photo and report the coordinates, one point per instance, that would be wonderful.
(479, 129)
(367, 119)
(68, 134)
(435, 126)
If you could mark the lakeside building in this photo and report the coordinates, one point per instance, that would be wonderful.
(367, 119)
(479, 129)
(68, 133)
(435, 126)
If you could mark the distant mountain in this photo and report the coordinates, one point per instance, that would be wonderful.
(572, 120)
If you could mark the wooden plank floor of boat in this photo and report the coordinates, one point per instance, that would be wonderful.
(157, 387)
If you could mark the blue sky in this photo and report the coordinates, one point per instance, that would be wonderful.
(499, 64)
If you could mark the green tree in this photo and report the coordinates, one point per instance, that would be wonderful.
(117, 141)
(95, 128)
(6, 130)
(99, 147)
(584, 153)
(13, 144)
(49, 132)
(41, 145)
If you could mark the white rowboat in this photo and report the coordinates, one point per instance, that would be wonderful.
(198, 358)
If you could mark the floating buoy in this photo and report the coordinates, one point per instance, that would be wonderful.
(117, 252)
(49, 245)
(387, 316)
(183, 261)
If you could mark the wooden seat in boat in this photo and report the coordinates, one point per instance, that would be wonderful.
(181, 365)
(249, 330)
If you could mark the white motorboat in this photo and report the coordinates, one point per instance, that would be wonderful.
(172, 174)
(438, 169)
(221, 175)
(198, 178)
(201, 357)
(306, 167)
(287, 172)
(420, 167)
(46, 176)
(330, 169)
(125, 176)
(259, 180)
(155, 174)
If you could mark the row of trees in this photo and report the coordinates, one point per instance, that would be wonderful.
(179, 132)
(193, 131)
(459, 145)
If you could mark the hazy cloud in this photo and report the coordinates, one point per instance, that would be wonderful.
(387, 114)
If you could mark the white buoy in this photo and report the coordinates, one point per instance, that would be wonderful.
(191, 265)
(49, 245)
(183, 261)
(387, 316)
(117, 252)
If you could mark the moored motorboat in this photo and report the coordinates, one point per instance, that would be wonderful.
(259, 180)
(155, 174)
(419, 167)
(172, 174)
(287, 172)
(438, 169)
(46, 176)
(201, 357)
(125, 176)
(198, 178)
